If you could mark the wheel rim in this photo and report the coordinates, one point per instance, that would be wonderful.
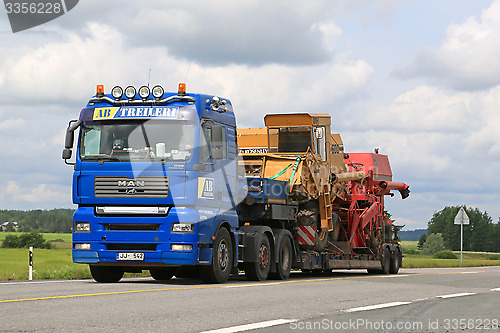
(223, 254)
(263, 257)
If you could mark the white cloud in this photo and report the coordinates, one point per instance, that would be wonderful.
(11, 125)
(42, 193)
(468, 58)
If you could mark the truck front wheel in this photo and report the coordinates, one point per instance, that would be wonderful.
(258, 271)
(222, 259)
(106, 274)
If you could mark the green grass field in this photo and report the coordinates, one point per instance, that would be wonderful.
(57, 263)
(47, 264)
(470, 259)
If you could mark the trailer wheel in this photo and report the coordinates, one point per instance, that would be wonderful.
(258, 271)
(222, 259)
(162, 274)
(284, 264)
(106, 274)
(386, 261)
(395, 262)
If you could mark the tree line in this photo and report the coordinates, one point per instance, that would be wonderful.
(481, 235)
(55, 220)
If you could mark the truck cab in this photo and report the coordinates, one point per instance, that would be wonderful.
(155, 183)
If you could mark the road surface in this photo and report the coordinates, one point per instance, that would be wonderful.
(415, 300)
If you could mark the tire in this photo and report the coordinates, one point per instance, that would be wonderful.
(395, 262)
(386, 261)
(162, 274)
(106, 274)
(258, 271)
(284, 264)
(222, 259)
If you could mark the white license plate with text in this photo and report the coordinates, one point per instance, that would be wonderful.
(130, 256)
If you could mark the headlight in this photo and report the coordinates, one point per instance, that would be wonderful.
(82, 227)
(117, 92)
(130, 92)
(183, 227)
(157, 92)
(182, 247)
(144, 92)
(82, 246)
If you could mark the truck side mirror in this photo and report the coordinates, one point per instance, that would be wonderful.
(69, 140)
(67, 153)
(70, 133)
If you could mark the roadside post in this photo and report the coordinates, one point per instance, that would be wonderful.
(461, 219)
(31, 264)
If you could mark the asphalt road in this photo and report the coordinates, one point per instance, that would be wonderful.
(416, 300)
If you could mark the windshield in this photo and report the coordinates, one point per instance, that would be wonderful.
(290, 139)
(137, 140)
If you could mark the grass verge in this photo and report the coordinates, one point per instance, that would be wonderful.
(57, 263)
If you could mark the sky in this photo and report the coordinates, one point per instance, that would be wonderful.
(420, 80)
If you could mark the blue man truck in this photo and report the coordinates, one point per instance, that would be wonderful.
(161, 185)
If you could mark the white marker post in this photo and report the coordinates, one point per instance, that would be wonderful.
(31, 264)
(461, 219)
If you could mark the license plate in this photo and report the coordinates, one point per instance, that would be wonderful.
(138, 256)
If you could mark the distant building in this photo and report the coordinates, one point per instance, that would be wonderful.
(4, 225)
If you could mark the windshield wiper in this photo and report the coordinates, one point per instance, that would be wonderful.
(101, 158)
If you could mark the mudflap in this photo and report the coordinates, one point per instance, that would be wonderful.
(250, 237)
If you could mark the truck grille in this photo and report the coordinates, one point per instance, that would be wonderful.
(124, 187)
(131, 227)
(131, 247)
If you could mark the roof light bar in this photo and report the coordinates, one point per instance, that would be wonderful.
(117, 92)
(130, 92)
(144, 92)
(157, 92)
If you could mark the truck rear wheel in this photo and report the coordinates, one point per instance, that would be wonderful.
(284, 264)
(106, 274)
(258, 271)
(162, 274)
(222, 259)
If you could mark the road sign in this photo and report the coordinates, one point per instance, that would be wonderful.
(462, 217)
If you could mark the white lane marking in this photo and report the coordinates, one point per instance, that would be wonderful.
(495, 289)
(456, 295)
(420, 299)
(254, 326)
(470, 272)
(377, 306)
(37, 282)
